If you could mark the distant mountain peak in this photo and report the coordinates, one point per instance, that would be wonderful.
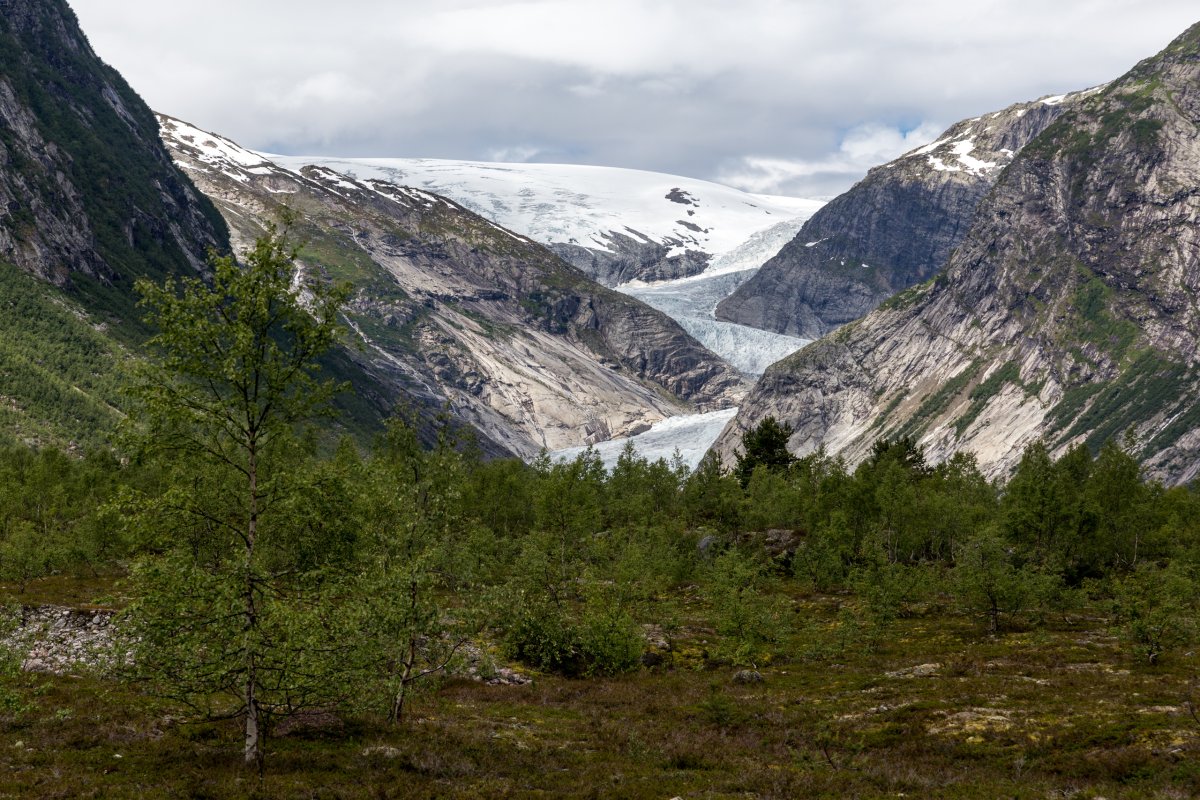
(891, 230)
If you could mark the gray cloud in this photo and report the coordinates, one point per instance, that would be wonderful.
(796, 96)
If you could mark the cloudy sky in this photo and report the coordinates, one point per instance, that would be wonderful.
(785, 96)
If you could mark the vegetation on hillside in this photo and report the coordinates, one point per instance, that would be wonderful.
(318, 600)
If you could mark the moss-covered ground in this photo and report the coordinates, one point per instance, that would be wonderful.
(933, 708)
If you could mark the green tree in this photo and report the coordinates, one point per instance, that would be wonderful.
(747, 614)
(1155, 609)
(988, 579)
(764, 445)
(711, 497)
(418, 554)
(237, 601)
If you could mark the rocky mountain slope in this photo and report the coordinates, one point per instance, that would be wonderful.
(1069, 311)
(616, 225)
(457, 311)
(89, 201)
(893, 229)
(86, 188)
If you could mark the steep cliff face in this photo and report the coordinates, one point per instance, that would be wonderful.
(893, 229)
(89, 201)
(1069, 312)
(456, 311)
(633, 258)
(86, 188)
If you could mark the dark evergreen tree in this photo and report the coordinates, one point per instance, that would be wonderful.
(764, 445)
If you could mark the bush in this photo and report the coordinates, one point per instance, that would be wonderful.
(604, 640)
(748, 617)
(988, 580)
(1155, 609)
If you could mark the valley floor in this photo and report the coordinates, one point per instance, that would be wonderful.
(933, 709)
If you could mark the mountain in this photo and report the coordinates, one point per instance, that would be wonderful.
(458, 312)
(89, 201)
(616, 225)
(87, 193)
(1069, 311)
(893, 229)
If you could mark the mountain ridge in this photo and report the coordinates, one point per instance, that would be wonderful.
(466, 314)
(1068, 313)
(893, 229)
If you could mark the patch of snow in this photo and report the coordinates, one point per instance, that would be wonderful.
(929, 148)
(690, 435)
(215, 150)
(975, 166)
(940, 166)
(1054, 101)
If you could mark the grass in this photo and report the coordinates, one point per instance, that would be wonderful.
(103, 590)
(1146, 386)
(1052, 712)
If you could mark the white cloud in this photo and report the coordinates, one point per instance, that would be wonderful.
(517, 154)
(861, 148)
(686, 86)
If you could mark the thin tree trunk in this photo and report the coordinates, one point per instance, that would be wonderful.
(410, 661)
(253, 741)
(397, 715)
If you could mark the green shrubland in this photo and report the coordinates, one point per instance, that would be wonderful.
(323, 599)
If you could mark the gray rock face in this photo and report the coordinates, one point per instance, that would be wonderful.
(85, 185)
(1067, 313)
(632, 259)
(455, 311)
(892, 230)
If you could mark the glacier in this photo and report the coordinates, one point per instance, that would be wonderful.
(580, 204)
(692, 302)
(688, 437)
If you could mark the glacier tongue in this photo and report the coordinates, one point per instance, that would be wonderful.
(690, 436)
(691, 301)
